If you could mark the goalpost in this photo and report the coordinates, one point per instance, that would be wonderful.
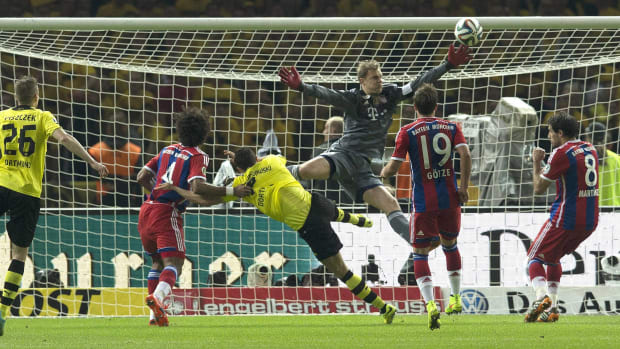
(115, 84)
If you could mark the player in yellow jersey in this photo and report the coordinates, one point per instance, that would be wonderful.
(278, 195)
(24, 131)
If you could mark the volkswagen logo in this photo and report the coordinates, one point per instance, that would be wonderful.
(474, 302)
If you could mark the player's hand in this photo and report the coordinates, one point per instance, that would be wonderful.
(458, 56)
(165, 186)
(290, 78)
(463, 195)
(101, 169)
(538, 154)
(230, 155)
(243, 190)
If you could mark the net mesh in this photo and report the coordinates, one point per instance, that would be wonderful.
(116, 92)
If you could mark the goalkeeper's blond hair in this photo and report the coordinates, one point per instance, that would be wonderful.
(365, 66)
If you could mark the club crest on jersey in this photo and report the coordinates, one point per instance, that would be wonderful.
(204, 170)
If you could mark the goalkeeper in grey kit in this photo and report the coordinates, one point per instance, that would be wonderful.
(368, 114)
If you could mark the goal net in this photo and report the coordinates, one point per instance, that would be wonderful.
(114, 84)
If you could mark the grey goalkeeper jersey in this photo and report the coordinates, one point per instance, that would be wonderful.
(366, 122)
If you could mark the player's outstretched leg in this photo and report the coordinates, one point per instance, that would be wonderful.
(157, 308)
(537, 308)
(454, 306)
(388, 313)
(433, 315)
(551, 315)
(358, 287)
(353, 218)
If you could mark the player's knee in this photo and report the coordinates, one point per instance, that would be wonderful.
(423, 250)
(19, 253)
(447, 243)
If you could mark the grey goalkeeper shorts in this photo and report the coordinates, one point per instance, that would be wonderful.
(353, 173)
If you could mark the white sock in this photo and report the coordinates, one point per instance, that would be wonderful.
(425, 284)
(539, 283)
(552, 287)
(163, 289)
(454, 276)
(152, 315)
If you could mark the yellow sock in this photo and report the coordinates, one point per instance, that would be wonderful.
(12, 280)
(358, 287)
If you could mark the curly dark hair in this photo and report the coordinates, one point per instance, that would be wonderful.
(244, 158)
(192, 126)
(562, 121)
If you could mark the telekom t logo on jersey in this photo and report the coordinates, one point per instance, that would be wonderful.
(372, 112)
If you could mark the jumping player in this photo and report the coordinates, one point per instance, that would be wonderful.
(278, 195)
(368, 112)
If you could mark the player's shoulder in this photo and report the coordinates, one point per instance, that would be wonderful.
(390, 87)
(410, 125)
(560, 152)
(47, 114)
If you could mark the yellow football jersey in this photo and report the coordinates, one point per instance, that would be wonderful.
(276, 192)
(23, 144)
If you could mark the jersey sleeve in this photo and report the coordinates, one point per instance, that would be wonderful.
(459, 138)
(338, 98)
(51, 123)
(429, 76)
(198, 167)
(152, 164)
(556, 166)
(402, 144)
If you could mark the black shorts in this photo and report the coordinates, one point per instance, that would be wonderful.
(317, 230)
(23, 215)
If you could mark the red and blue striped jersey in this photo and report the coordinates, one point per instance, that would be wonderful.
(430, 143)
(178, 165)
(574, 168)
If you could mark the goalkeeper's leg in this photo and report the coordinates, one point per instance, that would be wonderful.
(335, 264)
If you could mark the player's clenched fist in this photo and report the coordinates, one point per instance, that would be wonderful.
(290, 78)
(538, 154)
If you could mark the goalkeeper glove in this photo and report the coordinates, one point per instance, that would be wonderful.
(290, 78)
(458, 56)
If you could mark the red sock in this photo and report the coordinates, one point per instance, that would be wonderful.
(453, 257)
(420, 265)
(153, 280)
(169, 275)
(554, 272)
(536, 269)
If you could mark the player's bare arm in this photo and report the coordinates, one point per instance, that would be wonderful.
(465, 156)
(390, 169)
(191, 195)
(145, 179)
(540, 184)
(76, 148)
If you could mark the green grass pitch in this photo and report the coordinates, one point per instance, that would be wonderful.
(335, 331)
